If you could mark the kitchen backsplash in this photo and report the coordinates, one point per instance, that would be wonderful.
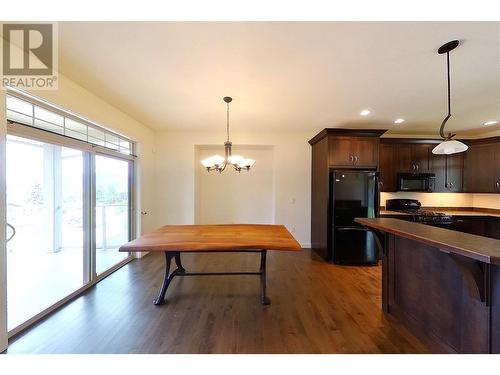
(447, 199)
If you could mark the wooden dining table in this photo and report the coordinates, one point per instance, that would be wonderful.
(173, 240)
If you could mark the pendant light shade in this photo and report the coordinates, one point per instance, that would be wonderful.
(448, 146)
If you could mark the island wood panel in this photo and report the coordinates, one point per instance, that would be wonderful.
(224, 237)
(427, 292)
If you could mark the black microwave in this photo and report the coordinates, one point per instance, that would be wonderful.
(416, 182)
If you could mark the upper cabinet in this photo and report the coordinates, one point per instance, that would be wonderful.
(476, 170)
(414, 157)
(482, 167)
(353, 152)
(388, 166)
(449, 171)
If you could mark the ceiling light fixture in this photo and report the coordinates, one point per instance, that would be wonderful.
(365, 112)
(219, 163)
(448, 145)
(399, 121)
(492, 122)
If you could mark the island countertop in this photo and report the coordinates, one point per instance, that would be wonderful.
(480, 248)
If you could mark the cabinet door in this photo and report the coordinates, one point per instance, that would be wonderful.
(454, 172)
(340, 151)
(365, 152)
(497, 164)
(388, 166)
(480, 169)
(438, 167)
(420, 157)
(405, 163)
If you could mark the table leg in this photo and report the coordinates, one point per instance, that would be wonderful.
(178, 263)
(160, 300)
(264, 299)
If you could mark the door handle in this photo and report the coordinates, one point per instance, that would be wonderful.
(13, 232)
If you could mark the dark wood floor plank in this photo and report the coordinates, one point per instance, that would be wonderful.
(316, 307)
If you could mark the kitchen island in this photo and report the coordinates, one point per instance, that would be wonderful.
(443, 285)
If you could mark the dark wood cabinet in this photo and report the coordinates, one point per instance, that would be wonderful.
(497, 167)
(454, 172)
(388, 166)
(481, 172)
(449, 172)
(414, 157)
(354, 152)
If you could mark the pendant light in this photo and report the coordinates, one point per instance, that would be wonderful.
(448, 145)
(219, 163)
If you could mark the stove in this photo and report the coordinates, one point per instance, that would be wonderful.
(412, 207)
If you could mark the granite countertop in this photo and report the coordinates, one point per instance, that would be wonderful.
(453, 212)
(481, 248)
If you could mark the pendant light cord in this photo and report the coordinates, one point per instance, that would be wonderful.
(441, 130)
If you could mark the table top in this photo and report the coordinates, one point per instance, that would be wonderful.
(222, 237)
(480, 248)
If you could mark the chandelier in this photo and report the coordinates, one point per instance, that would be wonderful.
(219, 163)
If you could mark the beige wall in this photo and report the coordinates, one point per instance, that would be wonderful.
(176, 168)
(236, 197)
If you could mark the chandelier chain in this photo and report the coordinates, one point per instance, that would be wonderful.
(227, 121)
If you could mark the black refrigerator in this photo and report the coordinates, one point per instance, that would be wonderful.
(353, 193)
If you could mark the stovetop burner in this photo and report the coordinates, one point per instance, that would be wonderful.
(412, 207)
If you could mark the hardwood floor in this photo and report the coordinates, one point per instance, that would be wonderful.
(315, 308)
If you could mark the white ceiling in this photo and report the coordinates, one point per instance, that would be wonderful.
(288, 75)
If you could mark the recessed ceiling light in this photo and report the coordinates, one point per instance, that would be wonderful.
(365, 112)
(492, 122)
(399, 120)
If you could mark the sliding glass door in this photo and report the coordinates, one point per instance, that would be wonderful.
(45, 207)
(68, 211)
(112, 210)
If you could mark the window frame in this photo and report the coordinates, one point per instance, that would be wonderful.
(89, 150)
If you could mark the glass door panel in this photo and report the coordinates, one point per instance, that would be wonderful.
(112, 211)
(45, 206)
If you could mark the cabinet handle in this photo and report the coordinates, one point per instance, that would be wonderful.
(351, 158)
(413, 166)
(416, 166)
(355, 159)
(497, 184)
